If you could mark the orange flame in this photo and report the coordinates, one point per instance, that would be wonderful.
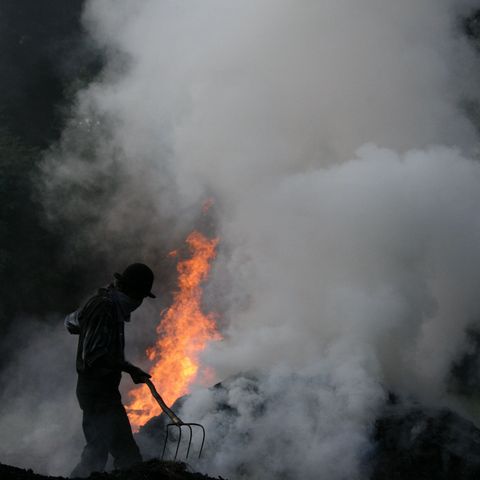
(184, 332)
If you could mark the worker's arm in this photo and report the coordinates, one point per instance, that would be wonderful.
(97, 332)
(137, 374)
(99, 349)
(71, 323)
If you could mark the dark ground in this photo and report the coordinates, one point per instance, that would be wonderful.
(151, 470)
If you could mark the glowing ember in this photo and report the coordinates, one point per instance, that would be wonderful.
(184, 332)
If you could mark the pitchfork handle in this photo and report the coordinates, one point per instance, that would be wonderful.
(162, 404)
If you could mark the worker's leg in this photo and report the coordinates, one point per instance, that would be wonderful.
(93, 394)
(121, 443)
(108, 428)
(95, 453)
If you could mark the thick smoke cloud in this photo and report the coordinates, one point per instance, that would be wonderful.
(332, 136)
(365, 284)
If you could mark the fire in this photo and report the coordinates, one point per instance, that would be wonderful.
(184, 331)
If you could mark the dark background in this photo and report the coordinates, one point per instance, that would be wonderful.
(45, 57)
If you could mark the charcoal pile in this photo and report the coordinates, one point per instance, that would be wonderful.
(409, 442)
(419, 444)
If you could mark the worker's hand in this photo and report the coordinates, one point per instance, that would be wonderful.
(138, 375)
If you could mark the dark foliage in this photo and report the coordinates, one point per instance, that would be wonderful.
(31, 268)
(44, 56)
(44, 50)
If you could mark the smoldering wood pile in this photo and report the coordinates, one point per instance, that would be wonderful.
(409, 442)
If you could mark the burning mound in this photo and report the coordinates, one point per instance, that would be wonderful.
(408, 441)
(151, 470)
(425, 444)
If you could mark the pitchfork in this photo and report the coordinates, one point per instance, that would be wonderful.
(176, 422)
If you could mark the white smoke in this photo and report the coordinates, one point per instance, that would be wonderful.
(39, 415)
(332, 136)
(365, 283)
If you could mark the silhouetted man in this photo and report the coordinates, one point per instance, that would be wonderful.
(100, 363)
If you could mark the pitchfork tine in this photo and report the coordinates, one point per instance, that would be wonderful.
(190, 439)
(179, 440)
(176, 423)
(165, 443)
(203, 437)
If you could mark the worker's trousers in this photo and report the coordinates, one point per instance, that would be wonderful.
(105, 425)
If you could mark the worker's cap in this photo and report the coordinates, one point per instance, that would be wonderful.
(138, 278)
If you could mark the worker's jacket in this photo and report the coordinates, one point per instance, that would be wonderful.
(100, 326)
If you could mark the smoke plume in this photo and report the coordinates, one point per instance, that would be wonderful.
(333, 138)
